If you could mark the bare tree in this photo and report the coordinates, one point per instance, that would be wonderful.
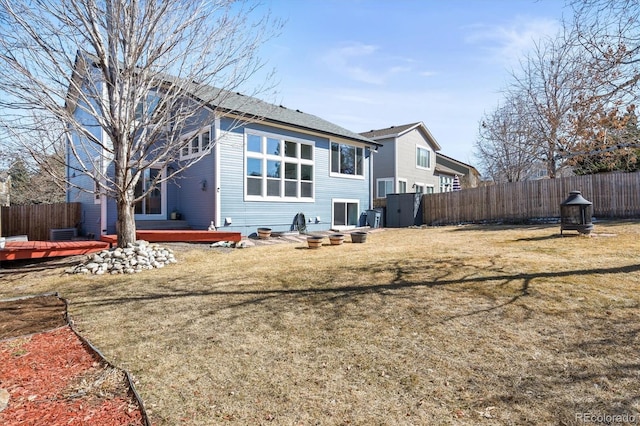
(552, 81)
(125, 80)
(608, 33)
(505, 145)
(580, 89)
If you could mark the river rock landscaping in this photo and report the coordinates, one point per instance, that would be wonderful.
(132, 259)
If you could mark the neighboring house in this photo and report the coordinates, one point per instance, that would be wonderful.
(446, 170)
(260, 172)
(5, 189)
(406, 161)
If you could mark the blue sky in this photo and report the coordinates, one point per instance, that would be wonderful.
(369, 64)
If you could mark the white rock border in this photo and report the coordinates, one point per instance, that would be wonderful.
(137, 257)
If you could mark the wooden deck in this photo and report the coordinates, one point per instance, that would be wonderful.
(179, 236)
(17, 250)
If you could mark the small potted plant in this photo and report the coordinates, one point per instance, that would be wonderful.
(358, 237)
(264, 233)
(315, 241)
(336, 239)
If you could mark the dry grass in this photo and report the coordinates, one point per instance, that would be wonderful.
(451, 325)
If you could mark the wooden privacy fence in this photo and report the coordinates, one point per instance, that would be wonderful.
(614, 195)
(36, 220)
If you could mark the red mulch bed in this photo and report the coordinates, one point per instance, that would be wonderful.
(51, 376)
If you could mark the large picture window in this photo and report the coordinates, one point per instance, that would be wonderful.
(278, 168)
(347, 159)
(422, 158)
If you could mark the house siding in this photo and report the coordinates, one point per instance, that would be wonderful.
(90, 213)
(407, 157)
(247, 216)
(384, 161)
(468, 175)
(195, 203)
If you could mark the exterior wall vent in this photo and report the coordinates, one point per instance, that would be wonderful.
(63, 234)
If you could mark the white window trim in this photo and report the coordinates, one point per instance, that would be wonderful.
(344, 175)
(189, 136)
(433, 189)
(430, 155)
(388, 179)
(346, 201)
(299, 161)
(417, 184)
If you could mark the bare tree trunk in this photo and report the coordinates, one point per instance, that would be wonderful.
(125, 200)
(126, 231)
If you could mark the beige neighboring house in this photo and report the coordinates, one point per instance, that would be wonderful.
(5, 187)
(447, 168)
(405, 161)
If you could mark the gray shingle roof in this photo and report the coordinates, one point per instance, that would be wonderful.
(389, 131)
(396, 131)
(257, 108)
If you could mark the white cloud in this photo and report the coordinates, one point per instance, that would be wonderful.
(363, 63)
(509, 43)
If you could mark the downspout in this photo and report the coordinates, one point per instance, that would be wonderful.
(371, 182)
(103, 172)
(216, 173)
(103, 195)
(68, 163)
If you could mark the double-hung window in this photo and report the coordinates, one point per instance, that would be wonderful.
(402, 186)
(347, 160)
(278, 168)
(422, 158)
(195, 145)
(384, 187)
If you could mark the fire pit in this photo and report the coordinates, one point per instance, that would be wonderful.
(575, 214)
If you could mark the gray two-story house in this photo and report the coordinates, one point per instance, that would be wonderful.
(406, 161)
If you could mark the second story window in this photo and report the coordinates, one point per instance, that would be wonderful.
(347, 159)
(423, 159)
(197, 144)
